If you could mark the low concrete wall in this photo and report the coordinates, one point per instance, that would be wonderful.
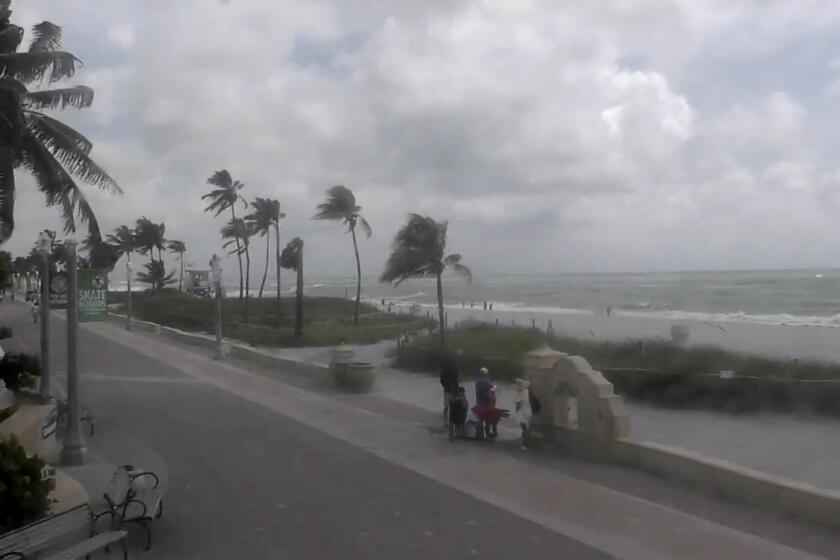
(272, 361)
(192, 339)
(733, 481)
(143, 326)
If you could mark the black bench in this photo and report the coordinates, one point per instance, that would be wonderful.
(69, 535)
(130, 502)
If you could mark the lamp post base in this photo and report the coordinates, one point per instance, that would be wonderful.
(73, 456)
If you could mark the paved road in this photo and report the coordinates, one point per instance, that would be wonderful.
(244, 482)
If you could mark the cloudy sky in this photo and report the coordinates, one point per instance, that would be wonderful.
(618, 135)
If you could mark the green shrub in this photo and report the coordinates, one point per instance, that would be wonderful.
(16, 369)
(6, 413)
(25, 486)
(5, 332)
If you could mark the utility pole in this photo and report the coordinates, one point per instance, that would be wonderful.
(128, 325)
(74, 451)
(44, 246)
(216, 269)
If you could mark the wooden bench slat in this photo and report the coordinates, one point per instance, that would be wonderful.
(38, 536)
(82, 549)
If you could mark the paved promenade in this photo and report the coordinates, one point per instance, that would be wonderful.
(260, 465)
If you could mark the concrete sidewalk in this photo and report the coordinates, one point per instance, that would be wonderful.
(619, 524)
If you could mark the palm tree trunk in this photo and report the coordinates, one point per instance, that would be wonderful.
(299, 302)
(238, 252)
(358, 277)
(277, 258)
(181, 277)
(441, 316)
(265, 271)
(247, 280)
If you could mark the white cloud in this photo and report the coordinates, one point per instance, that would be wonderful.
(585, 131)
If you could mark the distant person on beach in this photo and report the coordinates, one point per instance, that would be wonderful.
(449, 382)
(485, 306)
(491, 306)
(609, 311)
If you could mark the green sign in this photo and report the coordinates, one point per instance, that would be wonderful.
(92, 306)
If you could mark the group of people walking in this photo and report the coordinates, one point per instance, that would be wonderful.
(456, 408)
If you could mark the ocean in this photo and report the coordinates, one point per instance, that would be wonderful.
(785, 297)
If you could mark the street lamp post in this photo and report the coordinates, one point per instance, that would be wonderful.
(216, 269)
(73, 452)
(44, 246)
(128, 325)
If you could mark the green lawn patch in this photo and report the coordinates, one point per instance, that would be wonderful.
(327, 321)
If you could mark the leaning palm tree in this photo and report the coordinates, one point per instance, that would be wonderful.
(180, 248)
(100, 254)
(150, 236)
(340, 205)
(237, 231)
(156, 276)
(292, 258)
(53, 152)
(124, 242)
(222, 198)
(417, 251)
(267, 215)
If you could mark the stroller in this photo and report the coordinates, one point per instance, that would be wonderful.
(478, 423)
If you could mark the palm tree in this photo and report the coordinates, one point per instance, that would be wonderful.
(50, 150)
(124, 242)
(224, 197)
(100, 254)
(341, 205)
(292, 258)
(267, 215)
(417, 252)
(178, 247)
(150, 236)
(156, 275)
(239, 232)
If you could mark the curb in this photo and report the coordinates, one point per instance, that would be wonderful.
(758, 488)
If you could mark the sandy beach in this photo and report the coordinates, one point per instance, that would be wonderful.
(778, 341)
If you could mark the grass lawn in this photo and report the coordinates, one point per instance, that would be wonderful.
(327, 321)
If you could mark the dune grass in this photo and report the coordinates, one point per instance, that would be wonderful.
(658, 371)
(327, 321)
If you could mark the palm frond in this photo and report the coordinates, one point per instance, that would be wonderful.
(31, 66)
(176, 246)
(10, 38)
(123, 239)
(46, 37)
(77, 96)
(7, 198)
(454, 258)
(417, 250)
(57, 185)
(291, 252)
(221, 179)
(462, 270)
(339, 205)
(70, 133)
(67, 150)
(365, 227)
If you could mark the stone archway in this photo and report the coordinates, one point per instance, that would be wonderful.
(579, 408)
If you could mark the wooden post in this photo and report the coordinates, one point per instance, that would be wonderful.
(533, 323)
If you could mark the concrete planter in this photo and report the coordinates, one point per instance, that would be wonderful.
(356, 377)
